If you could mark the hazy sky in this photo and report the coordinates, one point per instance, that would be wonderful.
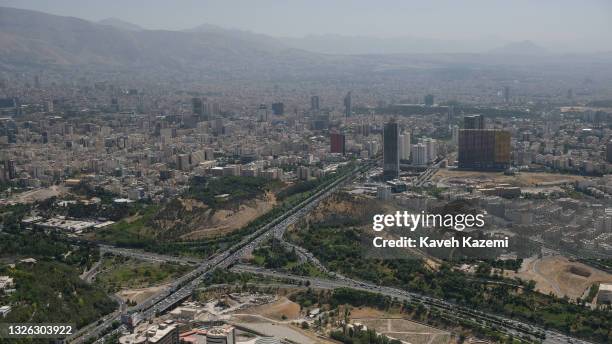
(574, 23)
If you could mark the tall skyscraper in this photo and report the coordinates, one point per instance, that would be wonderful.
(429, 100)
(337, 143)
(507, 94)
(404, 146)
(348, 105)
(609, 152)
(314, 103)
(390, 150)
(197, 107)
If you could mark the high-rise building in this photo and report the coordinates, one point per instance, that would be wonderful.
(404, 146)
(609, 152)
(507, 94)
(364, 129)
(455, 135)
(314, 103)
(431, 149)
(303, 172)
(337, 143)
(419, 154)
(429, 100)
(390, 150)
(262, 113)
(197, 106)
(278, 109)
(473, 122)
(114, 105)
(484, 149)
(9, 169)
(348, 105)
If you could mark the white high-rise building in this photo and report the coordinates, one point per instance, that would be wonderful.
(404, 146)
(431, 147)
(419, 154)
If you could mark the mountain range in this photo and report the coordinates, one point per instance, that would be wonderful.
(31, 39)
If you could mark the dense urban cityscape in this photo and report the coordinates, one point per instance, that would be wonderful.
(220, 186)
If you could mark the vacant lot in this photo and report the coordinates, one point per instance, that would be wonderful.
(140, 294)
(276, 310)
(224, 221)
(523, 179)
(37, 195)
(560, 276)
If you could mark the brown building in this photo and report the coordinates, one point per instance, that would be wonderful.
(337, 143)
(484, 149)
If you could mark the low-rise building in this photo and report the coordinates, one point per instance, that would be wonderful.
(6, 282)
(605, 294)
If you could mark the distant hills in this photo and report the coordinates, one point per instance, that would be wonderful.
(120, 24)
(356, 45)
(520, 48)
(30, 38)
(35, 40)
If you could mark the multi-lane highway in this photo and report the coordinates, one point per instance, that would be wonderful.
(184, 286)
(143, 255)
(427, 174)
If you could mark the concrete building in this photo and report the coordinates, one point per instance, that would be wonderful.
(604, 296)
(221, 335)
(419, 154)
(303, 172)
(383, 192)
(404, 146)
(164, 333)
